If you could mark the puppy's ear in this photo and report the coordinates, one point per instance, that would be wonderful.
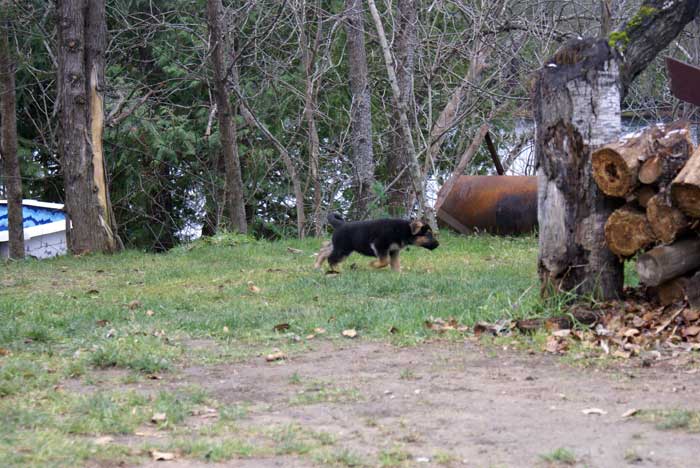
(416, 227)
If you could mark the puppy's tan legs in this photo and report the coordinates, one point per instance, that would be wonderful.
(394, 260)
(323, 254)
(381, 262)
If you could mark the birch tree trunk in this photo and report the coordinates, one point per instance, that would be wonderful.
(235, 204)
(577, 108)
(8, 141)
(361, 109)
(576, 102)
(82, 39)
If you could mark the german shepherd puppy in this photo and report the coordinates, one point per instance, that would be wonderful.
(381, 238)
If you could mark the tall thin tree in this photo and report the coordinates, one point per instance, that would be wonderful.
(235, 203)
(8, 142)
(82, 37)
(361, 109)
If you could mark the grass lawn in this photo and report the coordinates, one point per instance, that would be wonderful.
(67, 319)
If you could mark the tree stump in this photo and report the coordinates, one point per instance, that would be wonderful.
(576, 103)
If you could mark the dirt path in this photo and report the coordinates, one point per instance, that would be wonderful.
(458, 404)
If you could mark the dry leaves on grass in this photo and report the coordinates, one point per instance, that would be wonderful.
(162, 456)
(281, 327)
(253, 288)
(349, 333)
(440, 325)
(159, 418)
(276, 356)
(133, 305)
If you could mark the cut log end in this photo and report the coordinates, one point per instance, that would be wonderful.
(666, 221)
(612, 173)
(687, 198)
(627, 231)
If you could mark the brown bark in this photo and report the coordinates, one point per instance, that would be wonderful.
(643, 194)
(8, 139)
(672, 291)
(666, 221)
(649, 31)
(693, 291)
(235, 203)
(361, 110)
(400, 69)
(628, 231)
(662, 263)
(685, 188)
(577, 108)
(308, 50)
(82, 39)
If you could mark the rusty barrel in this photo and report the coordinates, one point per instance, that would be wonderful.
(495, 204)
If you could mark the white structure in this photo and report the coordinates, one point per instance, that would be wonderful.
(44, 229)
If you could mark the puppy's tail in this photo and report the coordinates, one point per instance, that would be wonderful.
(335, 220)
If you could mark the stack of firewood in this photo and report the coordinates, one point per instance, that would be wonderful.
(657, 172)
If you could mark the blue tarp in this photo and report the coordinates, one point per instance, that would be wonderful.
(33, 216)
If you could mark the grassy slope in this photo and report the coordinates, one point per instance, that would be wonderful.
(64, 317)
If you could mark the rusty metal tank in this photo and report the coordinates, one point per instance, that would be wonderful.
(496, 204)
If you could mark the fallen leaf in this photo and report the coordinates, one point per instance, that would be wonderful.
(622, 354)
(630, 412)
(393, 330)
(150, 313)
(596, 411)
(691, 331)
(350, 333)
(162, 456)
(556, 345)
(294, 251)
(102, 323)
(562, 333)
(276, 356)
(159, 418)
(5, 352)
(92, 291)
(630, 332)
(310, 337)
(135, 304)
(319, 330)
(154, 377)
(252, 288)
(691, 315)
(103, 440)
(281, 327)
(225, 329)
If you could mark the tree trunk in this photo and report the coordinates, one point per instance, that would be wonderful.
(685, 188)
(662, 263)
(360, 111)
(308, 51)
(401, 194)
(82, 39)
(628, 231)
(576, 104)
(235, 204)
(577, 108)
(8, 140)
(400, 103)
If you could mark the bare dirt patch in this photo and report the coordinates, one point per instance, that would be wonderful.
(456, 404)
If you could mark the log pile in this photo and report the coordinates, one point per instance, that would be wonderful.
(656, 174)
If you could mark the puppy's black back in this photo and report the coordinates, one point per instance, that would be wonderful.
(372, 237)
